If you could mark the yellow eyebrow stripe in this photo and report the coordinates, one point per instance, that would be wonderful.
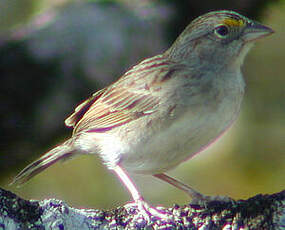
(233, 22)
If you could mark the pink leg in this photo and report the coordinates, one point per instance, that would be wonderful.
(197, 198)
(190, 191)
(128, 183)
(145, 209)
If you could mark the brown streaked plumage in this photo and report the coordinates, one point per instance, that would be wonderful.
(115, 106)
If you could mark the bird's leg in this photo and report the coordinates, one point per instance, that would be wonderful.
(197, 198)
(178, 184)
(145, 209)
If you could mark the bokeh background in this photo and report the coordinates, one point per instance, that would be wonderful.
(54, 54)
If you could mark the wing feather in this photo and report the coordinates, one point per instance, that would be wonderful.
(81, 109)
(128, 99)
(125, 107)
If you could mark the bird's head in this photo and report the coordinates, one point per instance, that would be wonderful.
(217, 39)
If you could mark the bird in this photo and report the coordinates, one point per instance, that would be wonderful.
(165, 109)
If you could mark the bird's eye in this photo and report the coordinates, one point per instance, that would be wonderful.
(221, 31)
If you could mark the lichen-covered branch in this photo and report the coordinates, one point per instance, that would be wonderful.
(259, 212)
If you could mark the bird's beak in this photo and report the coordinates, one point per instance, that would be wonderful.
(255, 30)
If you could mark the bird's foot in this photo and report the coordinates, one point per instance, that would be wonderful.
(148, 212)
(205, 201)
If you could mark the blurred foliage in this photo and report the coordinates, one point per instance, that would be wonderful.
(58, 54)
(16, 12)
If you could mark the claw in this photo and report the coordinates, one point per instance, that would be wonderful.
(147, 211)
(204, 200)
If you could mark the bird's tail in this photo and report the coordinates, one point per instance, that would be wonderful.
(61, 152)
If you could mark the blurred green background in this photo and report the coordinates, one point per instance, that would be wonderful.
(54, 54)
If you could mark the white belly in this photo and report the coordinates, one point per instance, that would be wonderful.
(178, 143)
